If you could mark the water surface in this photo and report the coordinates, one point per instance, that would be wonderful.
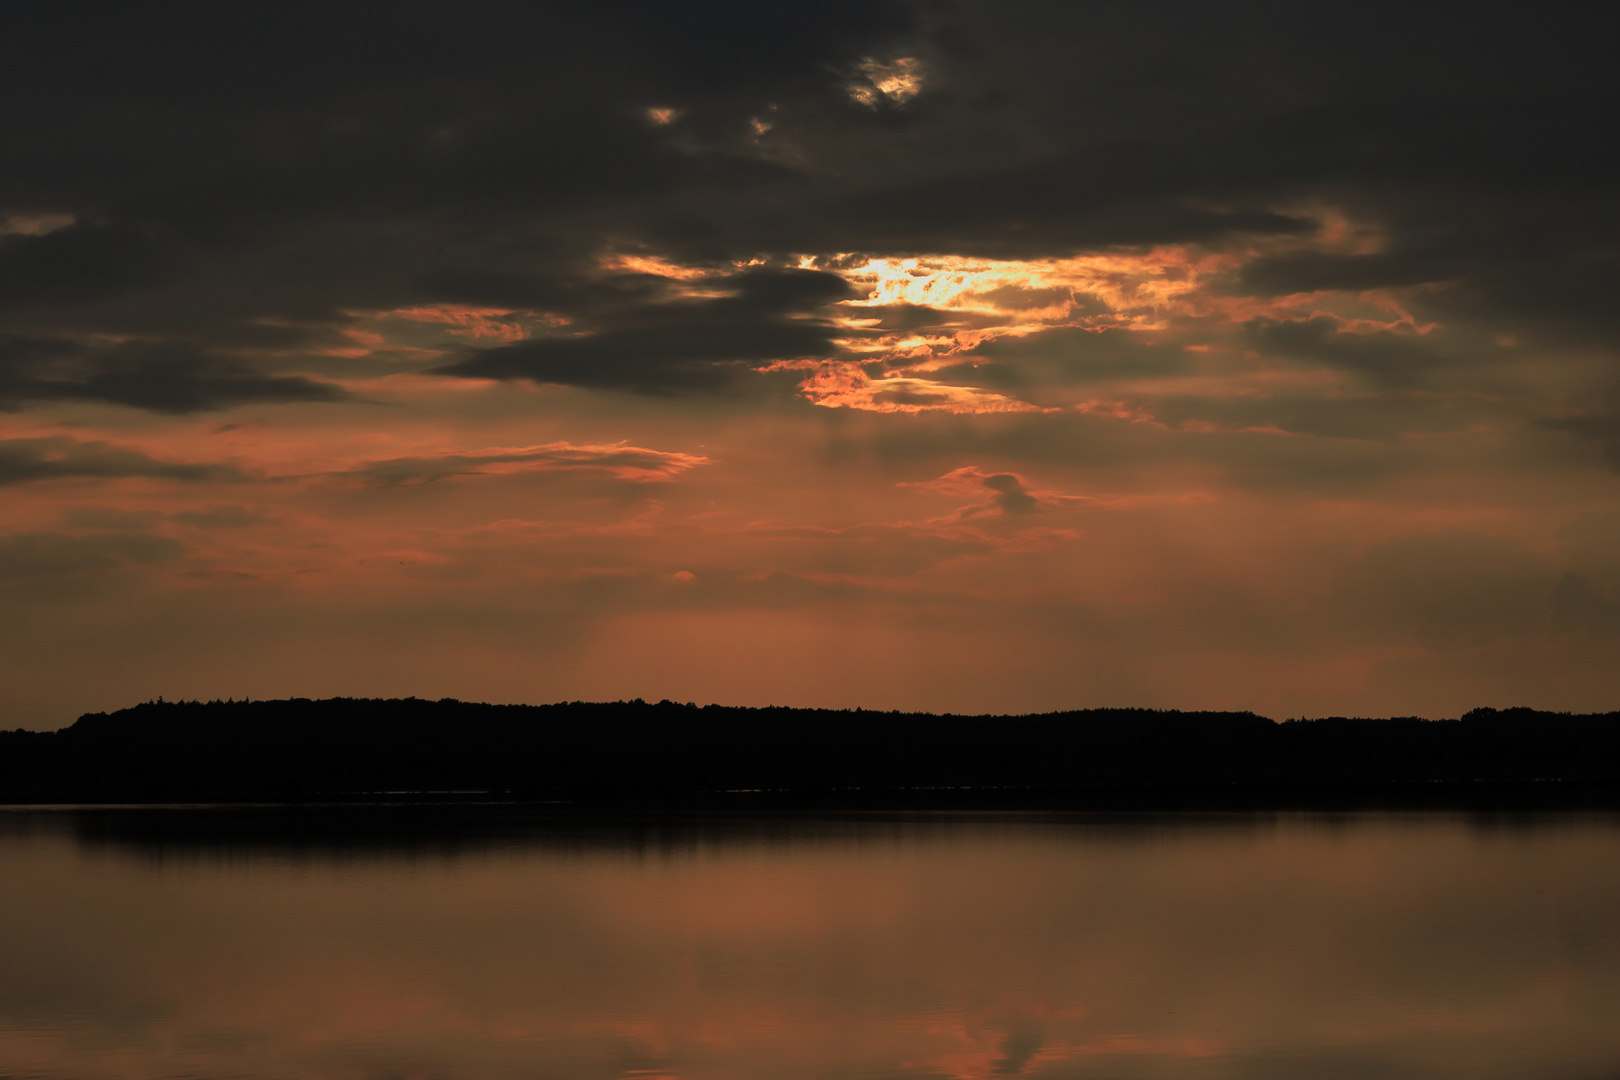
(467, 945)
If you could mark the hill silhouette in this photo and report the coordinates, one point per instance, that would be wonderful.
(303, 749)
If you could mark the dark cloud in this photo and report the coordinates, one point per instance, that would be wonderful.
(393, 104)
(1523, 258)
(79, 263)
(1007, 493)
(246, 173)
(594, 296)
(1018, 1049)
(676, 343)
(163, 377)
(910, 317)
(1600, 426)
(1313, 271)
(1098, 199)
(59, 456)
(1381, 356)
(1010, 496)
(237, 180)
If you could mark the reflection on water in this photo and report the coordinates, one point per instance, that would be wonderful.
(481, 943)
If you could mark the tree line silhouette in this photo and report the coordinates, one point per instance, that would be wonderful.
(303, 749)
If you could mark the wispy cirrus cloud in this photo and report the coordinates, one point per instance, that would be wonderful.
(631, 463)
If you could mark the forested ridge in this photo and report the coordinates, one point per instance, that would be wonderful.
(349, 747)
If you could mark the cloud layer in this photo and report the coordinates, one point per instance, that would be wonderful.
(944, 355)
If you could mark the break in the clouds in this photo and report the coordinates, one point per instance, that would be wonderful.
(946, 354)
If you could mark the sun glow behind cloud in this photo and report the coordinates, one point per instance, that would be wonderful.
(955, 305)
(839, 384)
(896, 81)
(911, 338)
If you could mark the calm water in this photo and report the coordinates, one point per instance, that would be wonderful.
(143, 944)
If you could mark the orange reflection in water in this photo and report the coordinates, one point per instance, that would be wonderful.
(1263, 947)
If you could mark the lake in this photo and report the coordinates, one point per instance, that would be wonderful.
(409, 943)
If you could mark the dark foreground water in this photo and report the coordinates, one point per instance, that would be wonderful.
(485, 944)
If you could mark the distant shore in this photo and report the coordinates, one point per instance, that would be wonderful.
(672, 755)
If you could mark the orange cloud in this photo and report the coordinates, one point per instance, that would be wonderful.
(896, 81)
(632, 463)
(844, 384)
(652, 264)
(948, 306)
(498, 324)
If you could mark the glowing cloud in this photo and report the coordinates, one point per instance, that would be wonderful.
(846, 385)
(916, 316)
(1134, 287)
(498, 324)
(652, 264)
(896, 81)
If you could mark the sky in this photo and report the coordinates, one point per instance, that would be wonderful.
(957, 356)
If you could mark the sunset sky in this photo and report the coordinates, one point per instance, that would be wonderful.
(960, 356)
